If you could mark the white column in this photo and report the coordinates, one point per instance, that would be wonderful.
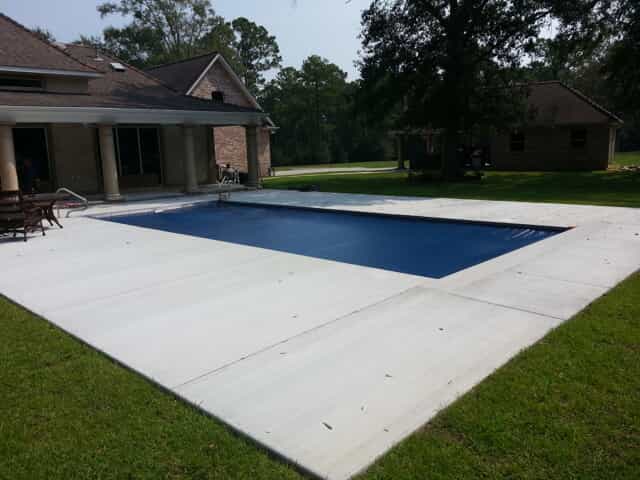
(253, 163)
(8, 171)
(190, 175)
(109, 166)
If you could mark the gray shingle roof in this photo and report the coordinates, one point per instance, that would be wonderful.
(181, 75)
(132, 88)
(20, 47)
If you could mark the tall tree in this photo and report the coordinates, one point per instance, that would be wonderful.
(257, 51)
(160, 30)
(623, 64)
(455, 62)
(44, 34)
(319, 116)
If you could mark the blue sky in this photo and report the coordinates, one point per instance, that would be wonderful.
(303, 27)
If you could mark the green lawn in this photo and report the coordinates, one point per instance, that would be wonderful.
(569, 407)
(615, 188)
(622, 159)
(384, 164)
(627, 159)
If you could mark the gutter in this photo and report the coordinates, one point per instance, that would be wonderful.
(108, 116)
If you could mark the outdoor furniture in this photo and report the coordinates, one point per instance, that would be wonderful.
(229, 175)
(18, 215)
(47, 202)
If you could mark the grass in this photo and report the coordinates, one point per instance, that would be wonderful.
(383, 164)
(621, 159)
(615, 188)
(569, 407)
(627, 159)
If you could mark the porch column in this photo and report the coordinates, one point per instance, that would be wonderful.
(212, 173)
(190, 176)
(109, 165)
(253, 163)
(8, 171)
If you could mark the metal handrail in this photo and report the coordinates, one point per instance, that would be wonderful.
(85, 202)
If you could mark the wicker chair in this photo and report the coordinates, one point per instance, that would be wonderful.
(18, 215)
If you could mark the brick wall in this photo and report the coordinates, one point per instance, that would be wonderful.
(230, 142)
(549, 148)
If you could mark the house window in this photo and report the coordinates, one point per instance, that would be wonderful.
(217, 96)
(517, 142)
(138, 151)
(579, 138)
(21, 83)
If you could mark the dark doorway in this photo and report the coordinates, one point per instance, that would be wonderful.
(32, 159)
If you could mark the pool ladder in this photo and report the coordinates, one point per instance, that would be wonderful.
(70, 210)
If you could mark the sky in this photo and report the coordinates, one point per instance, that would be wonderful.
(329, 28)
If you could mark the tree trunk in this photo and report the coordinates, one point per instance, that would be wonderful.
(450, 165)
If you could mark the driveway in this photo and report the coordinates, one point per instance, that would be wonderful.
(327, 364)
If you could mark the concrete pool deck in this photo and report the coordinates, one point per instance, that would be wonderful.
(326, 364)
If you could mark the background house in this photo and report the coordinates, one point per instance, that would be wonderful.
(71, 116)
(565, 130)
(568, 131)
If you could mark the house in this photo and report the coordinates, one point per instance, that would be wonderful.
(75, 117)
(566, 130)
(210, 77)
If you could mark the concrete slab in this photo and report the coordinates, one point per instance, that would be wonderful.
(334, 399)
(328, 364)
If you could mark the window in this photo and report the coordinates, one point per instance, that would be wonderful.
(217, 96)
(517, 142)
(21, 83)
(138, 150)
(579, 138)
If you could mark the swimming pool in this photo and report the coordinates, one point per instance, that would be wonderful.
(418, 246)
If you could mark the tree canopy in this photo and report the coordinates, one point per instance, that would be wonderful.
(457, 62)
(319, 116)
(257, 52)
(162, 31)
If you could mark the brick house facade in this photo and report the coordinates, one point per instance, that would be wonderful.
(200, 77)
(565, 130)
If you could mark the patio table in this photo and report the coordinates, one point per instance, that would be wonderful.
(46, 202)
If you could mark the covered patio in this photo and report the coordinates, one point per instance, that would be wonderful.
(111, 151)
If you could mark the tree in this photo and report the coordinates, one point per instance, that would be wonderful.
(44, 34)
(257, 52)
(160, 30)
(456, 63)
(622, 68)
(319, 116)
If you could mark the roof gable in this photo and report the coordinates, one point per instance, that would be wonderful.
(556, 103)
(186, 76)
(21, 49)
(181, 75)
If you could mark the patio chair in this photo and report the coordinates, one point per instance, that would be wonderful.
(18, 215)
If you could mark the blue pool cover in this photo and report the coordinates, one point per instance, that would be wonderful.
(430, 248)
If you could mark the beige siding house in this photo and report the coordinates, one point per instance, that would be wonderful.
(73, 117)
